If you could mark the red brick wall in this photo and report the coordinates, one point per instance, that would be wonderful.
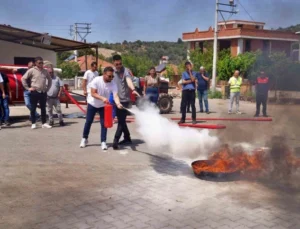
(192, 45)
(256, 45)
(234, 45)
(279, 46)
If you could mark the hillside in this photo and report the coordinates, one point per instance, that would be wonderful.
(292, 28)
(153, 50)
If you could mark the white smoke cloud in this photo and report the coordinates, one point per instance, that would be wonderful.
(163, 136)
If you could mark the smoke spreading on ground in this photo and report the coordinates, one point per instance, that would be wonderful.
(164, 137)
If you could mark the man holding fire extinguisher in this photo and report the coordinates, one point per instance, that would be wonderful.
(101, 87)
(123, 80)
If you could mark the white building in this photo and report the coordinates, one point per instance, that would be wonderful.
(19, 46)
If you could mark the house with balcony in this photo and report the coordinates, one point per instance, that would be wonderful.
(243, 36)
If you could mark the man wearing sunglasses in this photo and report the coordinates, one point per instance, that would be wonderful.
(122, 78)
(101, 87)
(40, 83)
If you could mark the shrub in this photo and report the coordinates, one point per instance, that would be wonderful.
(215, 95)
(69, 69)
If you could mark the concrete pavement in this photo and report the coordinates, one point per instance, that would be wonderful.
(48, 182)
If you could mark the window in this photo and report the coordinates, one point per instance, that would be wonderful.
(248, 46)
(240, 25)
(257, 27)
(22, 60)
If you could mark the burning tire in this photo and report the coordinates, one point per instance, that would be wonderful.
(165, 103)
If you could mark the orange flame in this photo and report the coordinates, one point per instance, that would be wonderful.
(228, 161)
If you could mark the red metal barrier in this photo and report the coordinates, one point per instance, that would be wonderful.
(230, 119)
(73, 100)
(204, 126)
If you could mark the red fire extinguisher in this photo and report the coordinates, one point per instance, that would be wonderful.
(108, 120)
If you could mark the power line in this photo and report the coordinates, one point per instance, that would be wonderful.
(246, 10)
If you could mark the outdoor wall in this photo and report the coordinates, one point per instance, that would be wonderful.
(10, 50)
(279, 46)
(234, 47)
(256, 45)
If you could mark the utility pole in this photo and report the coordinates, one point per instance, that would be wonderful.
(81, 30)
(215, 57)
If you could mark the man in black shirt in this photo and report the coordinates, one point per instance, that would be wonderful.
(262, 89)
(4, 100)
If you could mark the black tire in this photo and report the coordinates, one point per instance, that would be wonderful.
(165, 103)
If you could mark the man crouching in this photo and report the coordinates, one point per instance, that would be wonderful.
(101, 87)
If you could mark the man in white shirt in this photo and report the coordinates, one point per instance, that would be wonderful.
(88, 77)
(101, 87)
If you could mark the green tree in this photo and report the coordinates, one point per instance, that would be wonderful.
(86, 51)
(69, 69)
(100, 70)
(203, 58)
(169, 71)
(61, 56)
(139, 65)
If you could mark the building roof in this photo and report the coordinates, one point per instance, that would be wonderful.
(90, 59)
(231, 33)
(40, 40)
(240, 22)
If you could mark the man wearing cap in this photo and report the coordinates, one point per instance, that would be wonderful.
(202, 83)
(188, 92)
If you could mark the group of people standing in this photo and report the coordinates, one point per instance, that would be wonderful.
(193, 81)
(40, 86)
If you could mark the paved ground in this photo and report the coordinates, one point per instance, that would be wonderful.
(48, 182)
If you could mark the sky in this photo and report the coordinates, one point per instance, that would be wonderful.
(146, 20)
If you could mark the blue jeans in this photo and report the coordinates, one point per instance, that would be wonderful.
(152, 92)
(4, 109)
(203, 95)
(91, 111)
(28, 103)
(112, 102)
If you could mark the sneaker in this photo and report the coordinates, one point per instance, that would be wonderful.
(61, 123)
(201, 111)
(33, 126)
(103, 146)
(181, 121)
(238, 112)
(46, 125)
(194, 122)
(207, 112)
(83, 142)
(6, 123)
(265, 115)
(229, 112)
(256, 115)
